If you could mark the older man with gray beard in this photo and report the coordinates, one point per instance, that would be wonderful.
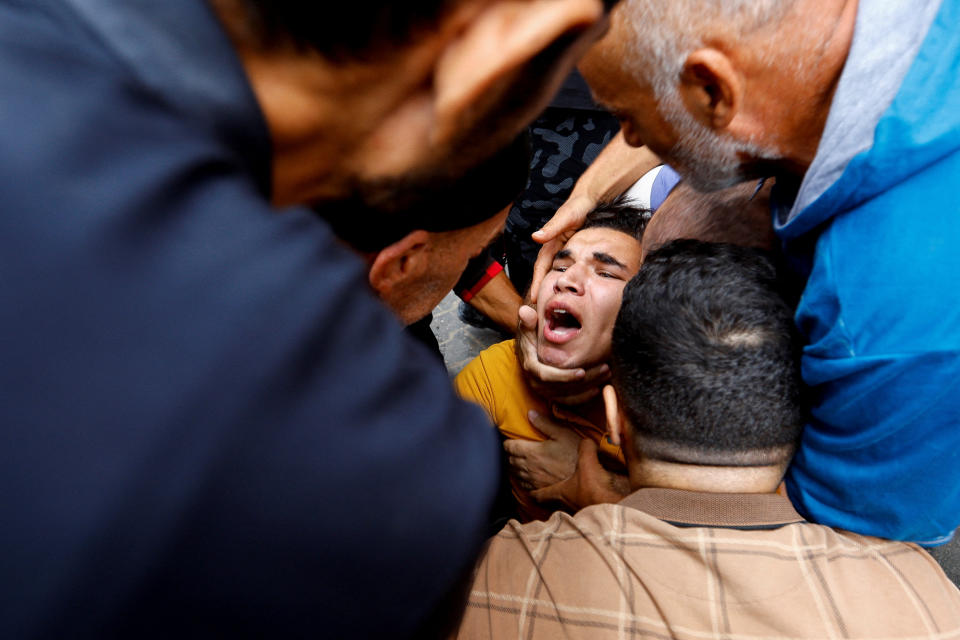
(856, 111)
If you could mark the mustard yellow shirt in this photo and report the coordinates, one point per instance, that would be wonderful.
(494, 381)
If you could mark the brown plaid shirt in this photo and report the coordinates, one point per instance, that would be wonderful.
(676, 564)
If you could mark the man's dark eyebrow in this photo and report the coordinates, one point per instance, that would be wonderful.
(606, 258)
(562, 254)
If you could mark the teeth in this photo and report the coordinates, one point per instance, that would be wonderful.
(563, 321)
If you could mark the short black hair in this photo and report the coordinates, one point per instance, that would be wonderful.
(619, 215)
(737, 214)
(705, 357)
(358, 29)
(479, 195)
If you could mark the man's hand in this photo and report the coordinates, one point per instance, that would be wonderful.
(566, 386)
(564, 223)
(541, 464)
(611, 173)
(589, 484)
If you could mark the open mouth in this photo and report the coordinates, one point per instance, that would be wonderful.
(561, 325)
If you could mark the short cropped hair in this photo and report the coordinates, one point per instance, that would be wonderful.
(705, 357)
(619, 215)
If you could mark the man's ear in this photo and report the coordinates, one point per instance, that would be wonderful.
(615, 422)
(505, 36)
(711, 87)
(402, 262)
(469, 72)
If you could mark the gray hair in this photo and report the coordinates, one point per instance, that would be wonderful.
(665, 32)
(662, 34)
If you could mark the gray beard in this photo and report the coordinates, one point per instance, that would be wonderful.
(708, 161)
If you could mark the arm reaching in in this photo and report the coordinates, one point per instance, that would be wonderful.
(499, 301)
(567, 386)
(612, 172)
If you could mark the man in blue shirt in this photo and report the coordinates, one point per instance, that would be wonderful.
(210, 425)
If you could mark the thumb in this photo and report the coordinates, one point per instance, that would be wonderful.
(550, 493)
(542, 265)
(528, 316)
(587, 455)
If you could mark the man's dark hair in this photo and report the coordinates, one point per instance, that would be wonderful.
(619, 215)
(358, 29)
(705, 357)
(445, 205)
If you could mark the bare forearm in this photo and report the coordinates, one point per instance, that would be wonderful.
(613, 171)
(499, 301)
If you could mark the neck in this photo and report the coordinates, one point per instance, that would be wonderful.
(707, 479)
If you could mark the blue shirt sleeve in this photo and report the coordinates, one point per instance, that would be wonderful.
(881, 454)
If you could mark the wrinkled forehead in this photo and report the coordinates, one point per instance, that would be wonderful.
(587, 242)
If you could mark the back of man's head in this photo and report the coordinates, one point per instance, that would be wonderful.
(705, 358)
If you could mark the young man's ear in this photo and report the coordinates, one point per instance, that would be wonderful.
(711, 87)
(398, 264)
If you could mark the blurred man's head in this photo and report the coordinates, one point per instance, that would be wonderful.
(705, 361)
(737, 215)
(413, 275)
(579, 298)
(724, 91)
(416, 256)
(374, 99)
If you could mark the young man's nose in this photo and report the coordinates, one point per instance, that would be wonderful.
(571, 280)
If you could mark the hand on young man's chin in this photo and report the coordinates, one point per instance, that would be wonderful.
(566, 386)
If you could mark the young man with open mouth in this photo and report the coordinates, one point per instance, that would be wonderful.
(579, 301)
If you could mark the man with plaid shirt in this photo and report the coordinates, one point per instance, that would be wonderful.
(706, 405)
